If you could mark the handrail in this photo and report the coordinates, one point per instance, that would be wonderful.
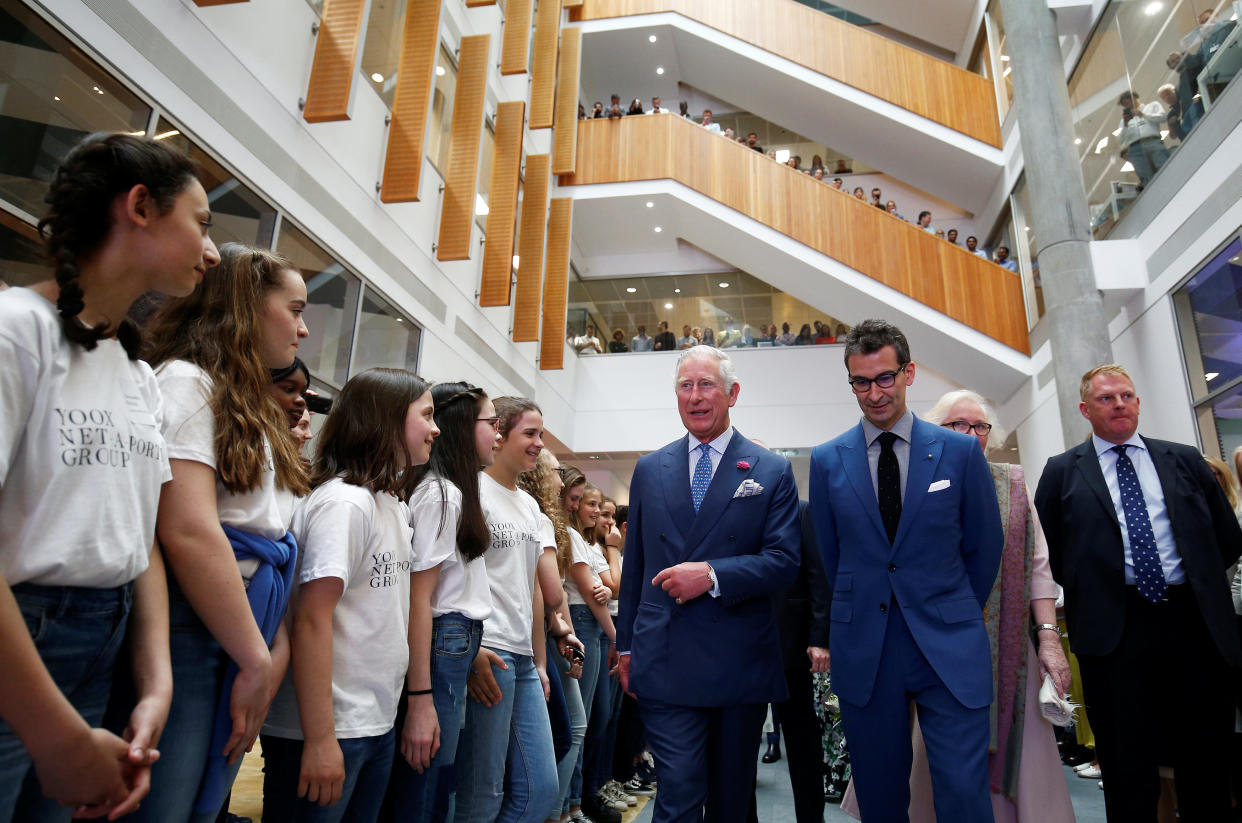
(938, 274)
(917, 82)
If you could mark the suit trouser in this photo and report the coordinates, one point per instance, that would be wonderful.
(705, 760)
(804, 747)
(1162, 697)
(880, 743)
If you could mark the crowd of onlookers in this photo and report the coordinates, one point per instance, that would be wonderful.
(731, 336)
(817, 170)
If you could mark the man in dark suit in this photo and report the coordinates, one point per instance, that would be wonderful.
(908, 524)
(665, 340)
(1139, 534)
(712, 534)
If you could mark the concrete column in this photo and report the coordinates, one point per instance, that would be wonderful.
(1077, 327)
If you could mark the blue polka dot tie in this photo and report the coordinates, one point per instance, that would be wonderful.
(1148, 574)
(702, 475)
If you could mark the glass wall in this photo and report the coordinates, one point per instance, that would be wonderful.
(21, 252)
(1147, 77)
(1002, 71)
(386, 337)
(733, 306)
(381, 50)
(442, 111)
(51, 95)
(487, 152)
(1209, 313)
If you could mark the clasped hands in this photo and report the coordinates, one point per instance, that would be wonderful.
(685, 581)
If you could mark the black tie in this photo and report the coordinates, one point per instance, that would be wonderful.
(888, 477)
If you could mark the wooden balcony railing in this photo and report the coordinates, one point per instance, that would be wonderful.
(945, 277)
(932, 88)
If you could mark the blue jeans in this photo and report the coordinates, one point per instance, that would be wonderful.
(198, 664)
(596, 752)
(577, 731)
(368, 760)
(77, 633)
(609, 750)
(506, 769)
(1147, 156)
(591, 633)
(429, 796)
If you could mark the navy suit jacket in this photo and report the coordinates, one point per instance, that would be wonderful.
(939, 569)
(709, 651)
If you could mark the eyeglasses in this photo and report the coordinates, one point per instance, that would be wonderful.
(494, 422)
(962, 427)
(562, 471)
(885, 380)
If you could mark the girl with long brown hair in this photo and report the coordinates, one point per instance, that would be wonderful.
(224, 517)
(82, 460)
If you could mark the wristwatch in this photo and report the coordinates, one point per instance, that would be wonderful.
(711, 576)
(1047, 627)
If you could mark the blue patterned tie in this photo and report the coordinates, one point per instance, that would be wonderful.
(1148, 574)
(702, 475)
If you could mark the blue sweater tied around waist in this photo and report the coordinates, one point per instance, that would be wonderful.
(268, 595)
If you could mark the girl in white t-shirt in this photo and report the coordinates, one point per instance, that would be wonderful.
(329, 739)
(506, 764)
(589, 587)
(223, 518)
(449, 600)
(82, 460)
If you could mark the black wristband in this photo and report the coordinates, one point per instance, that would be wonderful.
(416, 692)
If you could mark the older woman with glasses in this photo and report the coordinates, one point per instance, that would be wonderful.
(1027, 780)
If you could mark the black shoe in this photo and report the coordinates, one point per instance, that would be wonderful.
(773, 753)
(598, 812)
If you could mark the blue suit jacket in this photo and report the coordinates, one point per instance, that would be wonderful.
(710, 651)
(939, 569)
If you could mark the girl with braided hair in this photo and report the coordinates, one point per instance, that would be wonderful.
(449, 600)
(82, 460)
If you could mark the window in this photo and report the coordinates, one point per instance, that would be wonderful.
(381, 50)
(487, 152)
(386, 337)
(237, 214)
(442, 111)
(1209, 317)
(332, 295)
(51, 95)
(1002, 70)
(21, 252)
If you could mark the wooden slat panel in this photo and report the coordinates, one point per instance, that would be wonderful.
(201, 3)
(565, 137)
(935, 89)
(945, 277)
(472, 3)
(571, 4)
(457, 211)
(543, 66)
(556, 284)
(336, 59)
(403, 157)
(502, 204)
(515, 47)
(530, 250)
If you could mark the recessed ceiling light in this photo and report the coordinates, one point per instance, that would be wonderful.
(1005, 57)
(1212, 375)
(651, 38)
(57, 99)
(659, 70)
(650, 205)
(1152, 9)
(400, 320)
(377, 77)
(1077, 141)
(724, 285)
(658, 229)
(630, 289)
(676, 291)
(439, 71)
(668, 305)
(1028, 228)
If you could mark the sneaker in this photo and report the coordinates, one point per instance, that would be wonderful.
(637, 786)
(646, 770)
(599, 811)
(1090, 773)
(614, 790)
(579, 817)
(610, 800)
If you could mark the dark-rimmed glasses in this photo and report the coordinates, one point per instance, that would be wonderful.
(494, 422)
(885, 380)
(963, 427)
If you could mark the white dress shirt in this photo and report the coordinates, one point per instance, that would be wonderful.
(1153, 495)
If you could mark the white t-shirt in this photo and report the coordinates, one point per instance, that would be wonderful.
(82, 458)
(461, 586)
(363, 538)
(190, 429)
(513, 518)
(592, 556)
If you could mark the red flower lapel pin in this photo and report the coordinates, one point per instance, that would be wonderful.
(743, 465)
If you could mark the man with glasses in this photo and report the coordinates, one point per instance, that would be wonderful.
(906, 518)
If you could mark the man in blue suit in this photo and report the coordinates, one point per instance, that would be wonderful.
(908, 524)
(712, 533)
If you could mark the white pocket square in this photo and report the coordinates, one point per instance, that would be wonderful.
(939, 485)
(748, 488)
